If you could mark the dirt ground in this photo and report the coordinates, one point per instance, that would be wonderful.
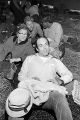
(71, 59)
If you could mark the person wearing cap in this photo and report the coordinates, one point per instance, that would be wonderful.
(34, 29)
(53, 31)
(42, 69)
(18, 104)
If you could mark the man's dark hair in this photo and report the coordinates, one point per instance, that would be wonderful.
(47, 19)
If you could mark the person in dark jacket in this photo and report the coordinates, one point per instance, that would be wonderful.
(19, 45)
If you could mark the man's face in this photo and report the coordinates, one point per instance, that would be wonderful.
(22, 35)
(29, 25)
(45, 25)
(43, 47)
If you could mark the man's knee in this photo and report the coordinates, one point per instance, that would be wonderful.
(58, 98)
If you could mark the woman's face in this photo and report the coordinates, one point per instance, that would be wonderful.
(22, 35)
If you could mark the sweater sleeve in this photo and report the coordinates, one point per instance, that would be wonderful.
(63, 71)
(24, 69)
(40, 32)
(58, 33)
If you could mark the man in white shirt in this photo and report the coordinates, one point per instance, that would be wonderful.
(43, 67)
(53, 31)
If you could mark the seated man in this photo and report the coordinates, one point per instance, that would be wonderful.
(53, 31)
(42, 67)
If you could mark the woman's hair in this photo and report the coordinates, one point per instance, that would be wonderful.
(20, 27)
(47, 19)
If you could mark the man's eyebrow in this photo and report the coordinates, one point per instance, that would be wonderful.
(42, 44)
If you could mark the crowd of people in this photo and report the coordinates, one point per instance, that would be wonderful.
(37, 49)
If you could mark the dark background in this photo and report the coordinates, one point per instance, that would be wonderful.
(70, 4)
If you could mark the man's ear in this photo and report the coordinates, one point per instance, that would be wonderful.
(37, 49)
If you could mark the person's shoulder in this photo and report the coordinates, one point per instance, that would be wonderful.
(1, 46)
(30, 57)
(36, 24)
(56, 60)
(57, 24)
(9, 40)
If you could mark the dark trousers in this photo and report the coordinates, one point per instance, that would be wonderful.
(58, 103)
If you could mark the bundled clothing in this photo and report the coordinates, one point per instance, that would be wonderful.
(40, 90)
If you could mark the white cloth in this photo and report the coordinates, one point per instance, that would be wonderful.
(34, 66)
(40, 90)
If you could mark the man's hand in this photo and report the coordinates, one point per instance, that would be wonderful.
(15, 60)
(60, 82)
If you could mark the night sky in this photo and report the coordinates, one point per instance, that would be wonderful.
(73, 4)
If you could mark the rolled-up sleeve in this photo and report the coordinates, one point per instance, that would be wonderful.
(63, 71)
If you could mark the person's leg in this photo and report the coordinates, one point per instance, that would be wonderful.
(59, 104)
(15, 118)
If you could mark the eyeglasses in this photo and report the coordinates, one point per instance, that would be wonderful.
(22, 33)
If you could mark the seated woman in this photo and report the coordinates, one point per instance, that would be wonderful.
(19, 45)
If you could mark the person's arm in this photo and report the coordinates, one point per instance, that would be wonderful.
(39, 30)
(58, 34)
(24, 69)
(63, 71)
